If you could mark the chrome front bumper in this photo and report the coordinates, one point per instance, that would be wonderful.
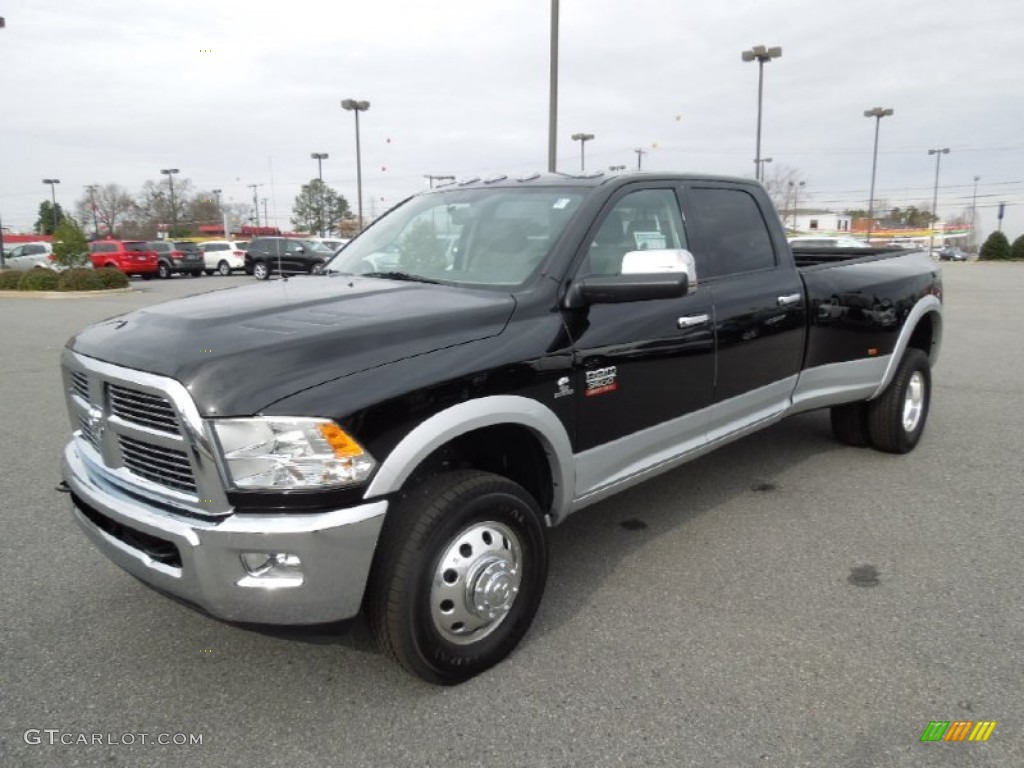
(335, 548)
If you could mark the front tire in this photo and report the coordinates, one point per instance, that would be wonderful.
(260, 270)
(458, 575)
(897, 417)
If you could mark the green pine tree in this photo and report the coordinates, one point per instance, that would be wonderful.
(995, 248)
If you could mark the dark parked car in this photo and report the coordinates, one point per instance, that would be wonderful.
(172, 259)
(952, 253)
(284, 255)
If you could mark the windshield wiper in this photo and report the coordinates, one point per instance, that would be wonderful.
(401, 276)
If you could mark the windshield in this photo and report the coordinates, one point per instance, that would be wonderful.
(482, 237)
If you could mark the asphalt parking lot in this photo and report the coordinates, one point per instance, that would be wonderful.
(786, 601)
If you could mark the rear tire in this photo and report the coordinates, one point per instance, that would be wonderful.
(459, 572)
(850, 424)
(897, 417)
(163, 271)
(223, 268)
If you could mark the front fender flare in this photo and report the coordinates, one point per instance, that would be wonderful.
(496, 410)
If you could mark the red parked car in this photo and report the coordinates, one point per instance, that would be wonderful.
(133, 257)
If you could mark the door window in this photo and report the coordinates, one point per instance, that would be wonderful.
(647, 219)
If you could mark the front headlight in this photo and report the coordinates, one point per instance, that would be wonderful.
(282, 452)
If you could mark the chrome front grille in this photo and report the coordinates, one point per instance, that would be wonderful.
(80, 384)
(158, 464)
(88, 432)
(143, 432)
(143, 408)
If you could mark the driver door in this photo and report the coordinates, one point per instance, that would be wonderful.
(644, 369)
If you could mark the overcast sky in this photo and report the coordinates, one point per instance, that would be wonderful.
(235, 93)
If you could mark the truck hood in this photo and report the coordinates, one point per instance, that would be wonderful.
(241, 349)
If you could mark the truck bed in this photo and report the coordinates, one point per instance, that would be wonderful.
(816, 256)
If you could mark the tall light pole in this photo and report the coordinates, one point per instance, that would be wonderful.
(320, 157)
(795, 189)
(878, 113)
(582, 138)
(935, 195)
(53, 199)
(761, 55)
(553, 92)
(352, 105)
(169, 173)
(255, 202)
(91, 189)
(974, 214)
(639, 158)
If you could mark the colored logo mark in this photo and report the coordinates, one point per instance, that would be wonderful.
(958, 730)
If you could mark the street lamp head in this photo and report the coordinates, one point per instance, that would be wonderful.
(943, 151)
(878, 112)
(169, 171)
(319, 155)
(354, 105)
(762, 53)
(51, 181)
(582, 136)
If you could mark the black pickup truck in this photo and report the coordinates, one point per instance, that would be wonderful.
(396, 439)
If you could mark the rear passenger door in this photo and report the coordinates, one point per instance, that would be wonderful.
(758, 298)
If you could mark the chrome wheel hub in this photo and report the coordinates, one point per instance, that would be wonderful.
(476, 582)
(913, 403)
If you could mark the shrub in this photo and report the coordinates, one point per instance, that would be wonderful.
(38, 279)
(995, 248)
(9, 279)
(70, 248)
(80, 280)
(112, 278)
(1017, 249)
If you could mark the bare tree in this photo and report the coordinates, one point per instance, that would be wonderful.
(154, 203)
(783, 185)
(104, 208)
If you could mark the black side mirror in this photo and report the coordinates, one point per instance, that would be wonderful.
(618, 289)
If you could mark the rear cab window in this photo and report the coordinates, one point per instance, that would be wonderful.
(733, 235)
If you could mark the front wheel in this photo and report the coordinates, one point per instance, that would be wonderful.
(317, 268)
(458, 575)
(260, 270)
(896, 418)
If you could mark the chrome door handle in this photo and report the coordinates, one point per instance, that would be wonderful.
(692, 320)
(789, 298)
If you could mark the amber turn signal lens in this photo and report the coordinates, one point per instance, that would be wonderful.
(343, 445)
